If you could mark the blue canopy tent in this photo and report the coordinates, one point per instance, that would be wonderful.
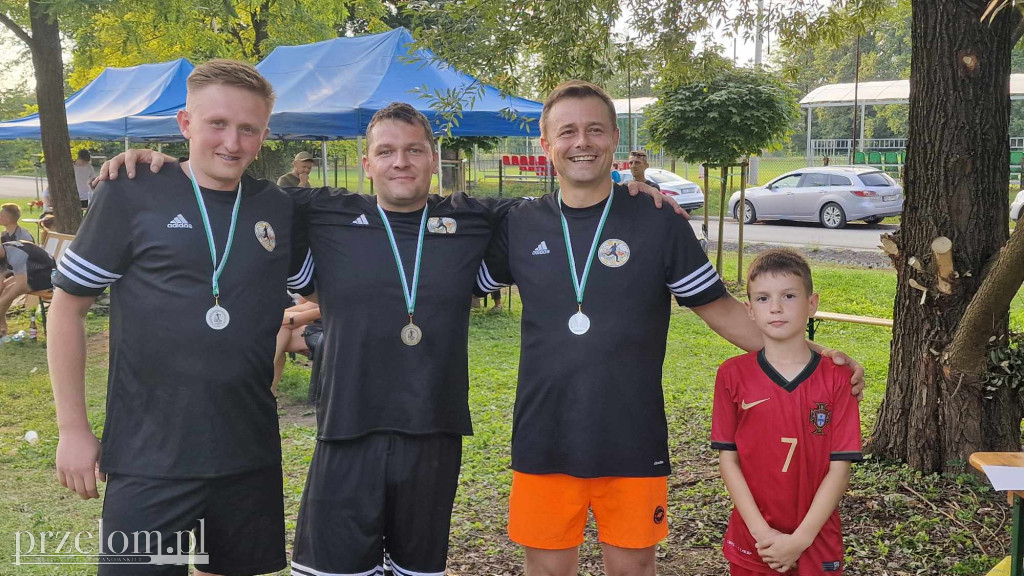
(331, 89)
(136, 103)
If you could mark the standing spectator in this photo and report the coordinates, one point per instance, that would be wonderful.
(83, 176)
(9, 216)
(638, 166)
(302, 165)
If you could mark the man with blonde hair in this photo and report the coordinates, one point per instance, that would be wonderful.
(9, 228)
(195, 258)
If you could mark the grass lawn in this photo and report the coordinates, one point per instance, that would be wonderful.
(898, 522)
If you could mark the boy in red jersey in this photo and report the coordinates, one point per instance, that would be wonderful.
(787, 429)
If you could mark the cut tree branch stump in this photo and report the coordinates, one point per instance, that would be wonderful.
(942, 250)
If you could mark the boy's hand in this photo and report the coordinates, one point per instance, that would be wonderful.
(857, 381)
(781, 552)
(656, 195)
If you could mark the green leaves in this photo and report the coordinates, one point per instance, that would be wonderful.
(729, 113)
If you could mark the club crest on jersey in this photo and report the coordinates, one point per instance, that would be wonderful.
(438, 225)
(820, 416)
(613, 253)
(265, 234)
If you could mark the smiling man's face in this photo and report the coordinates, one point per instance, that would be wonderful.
(580, 136)
(225, 127)
(401, 162)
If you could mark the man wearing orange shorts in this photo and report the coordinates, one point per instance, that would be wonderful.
(596, 273)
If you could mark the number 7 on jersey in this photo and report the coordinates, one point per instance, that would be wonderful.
(792, 448)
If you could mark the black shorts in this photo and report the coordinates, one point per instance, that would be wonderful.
(237, 522)
(378, 494)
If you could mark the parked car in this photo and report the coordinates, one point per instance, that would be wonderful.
(1016, 206)
(832, 195)
(687, 194)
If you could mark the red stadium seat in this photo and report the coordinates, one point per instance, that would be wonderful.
(515, 160)
(505, 161)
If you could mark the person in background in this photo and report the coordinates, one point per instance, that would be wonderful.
(9, 216)
(84, 175)
(31, 266)
(638, 166)
(300, 322)
(302, 165)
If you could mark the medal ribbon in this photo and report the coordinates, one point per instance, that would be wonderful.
(580, 284)
(409, 294)
(217, 269)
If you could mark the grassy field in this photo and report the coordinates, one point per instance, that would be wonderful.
(898, 522)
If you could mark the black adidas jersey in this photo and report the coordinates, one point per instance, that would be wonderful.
(371, 380)
(184, 400)
(592, 405)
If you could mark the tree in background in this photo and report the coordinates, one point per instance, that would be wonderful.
(43, 40)
(721, 117)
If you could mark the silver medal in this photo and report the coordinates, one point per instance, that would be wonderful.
(411, 334)
(217, 318)
(579, 324)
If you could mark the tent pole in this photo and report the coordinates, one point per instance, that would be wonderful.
(125, 143)
(810, 153)
(440, 170)
(359, 160)
(323, 159)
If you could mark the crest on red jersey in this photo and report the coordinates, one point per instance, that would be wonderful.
(820, 416)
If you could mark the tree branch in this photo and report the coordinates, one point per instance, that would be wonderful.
(18, 30)
(966, 352)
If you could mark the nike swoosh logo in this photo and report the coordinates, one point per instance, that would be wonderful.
(746, 406)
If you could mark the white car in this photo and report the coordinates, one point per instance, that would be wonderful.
(1016, 206)
(687, 194)
(831, 195)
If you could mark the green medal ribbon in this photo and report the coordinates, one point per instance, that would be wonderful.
(580, 284)
(217, 268)
(409, 294)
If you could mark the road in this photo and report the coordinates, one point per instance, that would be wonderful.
(856, 235)
(17, 187)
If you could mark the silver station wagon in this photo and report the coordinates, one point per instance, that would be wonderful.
(832, 195)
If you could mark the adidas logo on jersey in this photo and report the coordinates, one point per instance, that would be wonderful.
(361, 220)
(178, 222)
(541, 248)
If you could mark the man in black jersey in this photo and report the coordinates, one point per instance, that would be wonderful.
(196, 259)
(596, 273)
(394, 403)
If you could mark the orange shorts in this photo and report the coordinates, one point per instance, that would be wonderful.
(549, 511)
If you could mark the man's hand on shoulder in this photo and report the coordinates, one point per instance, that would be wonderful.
(659, 199)
(129, 159)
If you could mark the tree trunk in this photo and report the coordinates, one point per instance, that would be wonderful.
(956, 186)
(53, 121)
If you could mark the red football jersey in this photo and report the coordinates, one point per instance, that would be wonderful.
(786, 433)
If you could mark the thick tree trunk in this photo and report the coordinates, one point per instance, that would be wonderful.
(53, 121)
(956, 186)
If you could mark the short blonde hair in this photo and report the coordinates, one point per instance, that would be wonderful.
(235, 73)
(576, 90)
(13, 209)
